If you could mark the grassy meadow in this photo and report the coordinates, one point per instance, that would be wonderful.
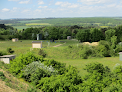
(58, 53)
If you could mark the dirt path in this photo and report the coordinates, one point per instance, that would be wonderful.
(59, 45)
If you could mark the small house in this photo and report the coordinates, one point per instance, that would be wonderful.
(68, 37)
(6, 58)
(36, 44)
(14, 39)
(120, 56)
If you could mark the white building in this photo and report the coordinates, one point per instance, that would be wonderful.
(6, 58)
(36, 44)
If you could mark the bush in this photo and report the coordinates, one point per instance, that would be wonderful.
(2, 53)
(42, 53)
(67, 82)
(37, 70)
(9, 50)
(2, 76)
(60, 67)
(20, 62)
(85, 52)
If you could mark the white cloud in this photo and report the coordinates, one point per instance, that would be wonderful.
(38, 10)
(42, 7)
(58, 3)
(26, 10)
(91, 2)
(24, 2)
(14, 8)
(40, 2)
(73, 6)
(67, 4)
(5, 9)
(13, 0)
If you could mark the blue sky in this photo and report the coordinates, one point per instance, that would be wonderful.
(59, 8)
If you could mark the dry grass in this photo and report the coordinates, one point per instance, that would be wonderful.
(92, 44)
(12, 84)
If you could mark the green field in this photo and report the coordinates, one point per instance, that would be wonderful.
(21, 27)
(35, 24)
(58, 53)
(83, 21)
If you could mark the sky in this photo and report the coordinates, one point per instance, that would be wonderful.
(59, 8)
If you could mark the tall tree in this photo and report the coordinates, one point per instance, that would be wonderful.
(83, 35)
(96, 35)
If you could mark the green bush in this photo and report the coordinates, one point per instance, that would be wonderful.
(60, 67)
(85, 52)
(9, 50)
(20, 62)
(67, 82)
(2, 53)
(34, 71)
(2, 76)
(42, 53)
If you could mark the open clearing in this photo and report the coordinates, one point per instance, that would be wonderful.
(33, 24)
(57, 53)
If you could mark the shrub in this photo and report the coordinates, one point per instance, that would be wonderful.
(2, 53)
(42, 53)
(85, 52)
(9, 50)
(60, 67)
(20, 62)
(37, 70)
(102, 51)
(2, 76)
(67, 82)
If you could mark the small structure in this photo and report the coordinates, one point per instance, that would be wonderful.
(36, 44)
(68, 37)
(120, 56)
(6, 58)
(39, 36)
(14, 39)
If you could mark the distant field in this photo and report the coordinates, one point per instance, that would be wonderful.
(8, 24)
(29, 21)
(34, 24)
(104, 26)
(21, 27)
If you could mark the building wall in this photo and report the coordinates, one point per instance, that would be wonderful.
(14, 40)
(36, 45)
(120, 57)
(5, 60)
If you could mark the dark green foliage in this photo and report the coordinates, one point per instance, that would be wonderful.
(32, 90)
(85, 52)
(2, 53)
(20, 62)
(37, 70)
(9, 50)
(99, 79)
(60, 67)
(42, 53)
(96, 35)
(83, 35)
(103, 49)
(67, 82)
(2, 76)
(109, 33)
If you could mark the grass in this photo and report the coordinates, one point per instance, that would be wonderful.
(21, 27)
(34, 24)
(29, 21)
(80, 63)
(24, 46)
(59, 53)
